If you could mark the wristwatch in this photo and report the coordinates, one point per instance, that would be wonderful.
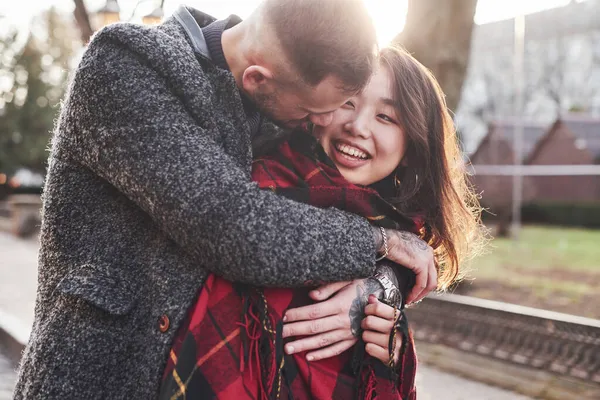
(391, 294)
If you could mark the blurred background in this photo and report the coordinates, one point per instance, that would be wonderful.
(523, 81)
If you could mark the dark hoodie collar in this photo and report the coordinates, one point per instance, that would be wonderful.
(205, 32)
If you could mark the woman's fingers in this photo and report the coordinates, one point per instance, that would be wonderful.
(331, 351)
(381, 351)
(380, 339)
(378, 352)
(377, 324)
(379, 309)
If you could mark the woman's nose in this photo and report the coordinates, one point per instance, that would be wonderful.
(358, 127)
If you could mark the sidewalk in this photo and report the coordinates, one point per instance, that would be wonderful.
(18, 278)
(7, 378)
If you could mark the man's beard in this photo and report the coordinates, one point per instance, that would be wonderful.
(268, 105)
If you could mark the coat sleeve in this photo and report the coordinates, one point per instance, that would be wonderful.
(127, 125)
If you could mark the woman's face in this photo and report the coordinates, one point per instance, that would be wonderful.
(365, 139)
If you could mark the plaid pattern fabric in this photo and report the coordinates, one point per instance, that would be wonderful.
(230, 346)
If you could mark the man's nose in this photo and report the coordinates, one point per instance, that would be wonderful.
(321, 119)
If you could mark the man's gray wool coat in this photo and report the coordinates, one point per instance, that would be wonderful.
(149, 190)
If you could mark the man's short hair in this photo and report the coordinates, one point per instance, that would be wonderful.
(325, 37)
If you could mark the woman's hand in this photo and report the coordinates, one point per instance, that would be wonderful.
(377, 326)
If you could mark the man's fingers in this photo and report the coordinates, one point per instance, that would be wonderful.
(433, 278)
(315, 326)
(314, 311)
(420, 286)
(324, 292)
(380, 339)
(331, 351)
(373, 323)
(431, 282)
(318, 341)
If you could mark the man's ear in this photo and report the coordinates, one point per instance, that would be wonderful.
(255, 76)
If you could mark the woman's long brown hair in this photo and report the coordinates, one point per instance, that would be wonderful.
(434, 183)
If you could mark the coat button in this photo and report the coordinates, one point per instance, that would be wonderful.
(164, 323)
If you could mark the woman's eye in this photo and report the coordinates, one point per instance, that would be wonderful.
(386, 118)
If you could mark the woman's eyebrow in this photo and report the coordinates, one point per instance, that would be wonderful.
(389, 102)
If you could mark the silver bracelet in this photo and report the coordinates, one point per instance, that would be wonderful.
(385, 245)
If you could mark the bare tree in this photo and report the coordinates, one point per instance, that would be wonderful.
(565, 72)
(82, 18)
(438, 34)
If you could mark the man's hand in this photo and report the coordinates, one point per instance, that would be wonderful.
(408, 250)
(334, 324)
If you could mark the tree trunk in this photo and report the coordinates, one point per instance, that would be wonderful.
(438, 34)
(83, 21)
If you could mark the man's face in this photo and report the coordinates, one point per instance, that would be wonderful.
(293, 107)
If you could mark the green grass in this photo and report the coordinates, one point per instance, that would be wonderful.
(549, 267)
(543, 248)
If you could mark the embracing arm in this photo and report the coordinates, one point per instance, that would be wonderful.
(127, 126)
(409, 251)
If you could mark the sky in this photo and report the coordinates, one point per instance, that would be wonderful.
(388, 15)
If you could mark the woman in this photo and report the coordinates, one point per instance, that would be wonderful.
(391, 155)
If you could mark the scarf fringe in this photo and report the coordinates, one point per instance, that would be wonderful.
(262, 343)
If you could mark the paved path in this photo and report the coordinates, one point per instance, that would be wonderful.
(433, 384)
(18, 277)
(7, 377)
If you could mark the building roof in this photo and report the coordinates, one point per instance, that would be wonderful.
(504, 130)
(586, 130)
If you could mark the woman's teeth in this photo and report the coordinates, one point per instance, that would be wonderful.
(351, 151)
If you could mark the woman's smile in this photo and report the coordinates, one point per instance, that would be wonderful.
(348, 154)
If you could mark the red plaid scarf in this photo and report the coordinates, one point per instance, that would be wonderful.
(230, 346)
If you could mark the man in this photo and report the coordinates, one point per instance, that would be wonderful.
(149, 189)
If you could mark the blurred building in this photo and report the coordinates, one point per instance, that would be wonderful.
(562, 69)
(496, 148)
(573, 139)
